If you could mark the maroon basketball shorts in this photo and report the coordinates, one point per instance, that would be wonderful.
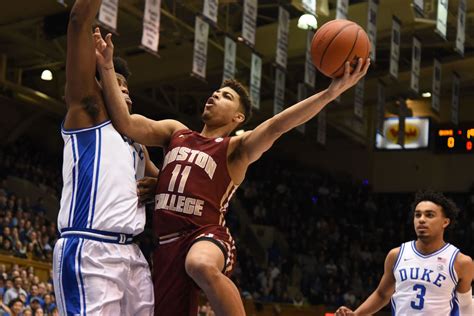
(175, 292)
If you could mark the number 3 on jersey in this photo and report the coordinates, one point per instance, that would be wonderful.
(174, 177)
(421, 291)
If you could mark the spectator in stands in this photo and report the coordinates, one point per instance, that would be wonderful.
(15, 291)
(16, 307)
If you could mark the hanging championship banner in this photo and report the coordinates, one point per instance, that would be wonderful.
(302, 94)
(461, 31)
(321, 136)
(380, 115)
(279, 99)
(415, 65)
(282, 40)
(309, 6)
(255, 79)
(455, 99)
(201, 35)
(372, 27)
(395, 47)
(249, 21)
(151, 25)
(442, 18)
(108, 14)
(435, 99)
(309, 69)
(229, 58)
(210, 10)
(359, 99)
(418, 5)
(342, 9)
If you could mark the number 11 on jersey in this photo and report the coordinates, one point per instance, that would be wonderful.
(174, 177)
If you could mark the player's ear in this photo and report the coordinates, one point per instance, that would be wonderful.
(239, 117)
(446, 223)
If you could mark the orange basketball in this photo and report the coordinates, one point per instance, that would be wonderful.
(336, 42)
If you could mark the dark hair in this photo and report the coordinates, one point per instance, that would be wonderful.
(13, 301)
(450, 209)
(243, 94)
(120, 66)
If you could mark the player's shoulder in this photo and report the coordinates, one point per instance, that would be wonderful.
(463, 261)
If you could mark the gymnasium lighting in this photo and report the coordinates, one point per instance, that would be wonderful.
(239, 132)
(307, 21)
(47, 75)
(426, 94)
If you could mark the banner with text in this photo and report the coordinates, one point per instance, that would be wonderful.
(108, 13)
(282, 40)
(455, 99)
(395, 47)
(249, 21)
(201, 35)
(211, 9)
(229, 58)
(302, 94)
(342, 9)
(151, 25)
(279, 98)
(380, 115)
(359, 99)
(309, 6)
(321, 134)
(436, 87)
(415, 65)
(309, 69)
(418, 5)
(372, 27)
(442, 18)
(461, 30)
(255, 80)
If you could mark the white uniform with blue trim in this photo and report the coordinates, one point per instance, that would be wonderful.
(425, 284)
(97, 271)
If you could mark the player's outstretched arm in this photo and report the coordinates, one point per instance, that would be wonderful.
(80, 59)
(464, 270)
(256, 142)
(381, 296)
(137, 127)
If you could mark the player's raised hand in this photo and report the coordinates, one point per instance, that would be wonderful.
(104, 48)
(146, 189)
(344, 311)
(341, 84)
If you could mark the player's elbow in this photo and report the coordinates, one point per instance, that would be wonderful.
(276, 127)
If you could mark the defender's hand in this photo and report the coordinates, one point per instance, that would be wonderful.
(146, 189)
(104, 49)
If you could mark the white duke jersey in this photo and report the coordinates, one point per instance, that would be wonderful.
(100, 169)
(425, 284)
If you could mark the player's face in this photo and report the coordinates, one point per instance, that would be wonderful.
(429, 220)
(122, 82)
(222, 108)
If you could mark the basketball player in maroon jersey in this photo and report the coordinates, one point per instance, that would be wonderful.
(200, 173)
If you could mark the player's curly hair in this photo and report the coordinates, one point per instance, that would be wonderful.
(450, 209)
(243, 94)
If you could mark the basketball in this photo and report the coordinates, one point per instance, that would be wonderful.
(335, 43)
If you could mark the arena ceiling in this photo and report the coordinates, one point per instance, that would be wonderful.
(32, 38)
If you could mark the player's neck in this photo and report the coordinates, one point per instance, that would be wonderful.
(213, 132)
(429, 246)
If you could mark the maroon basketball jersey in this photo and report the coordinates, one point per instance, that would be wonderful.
(194, 186)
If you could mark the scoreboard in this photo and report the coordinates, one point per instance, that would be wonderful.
(454, 140)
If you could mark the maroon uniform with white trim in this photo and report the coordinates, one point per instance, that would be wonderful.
(193, 193)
